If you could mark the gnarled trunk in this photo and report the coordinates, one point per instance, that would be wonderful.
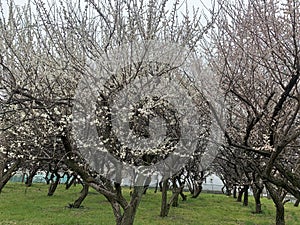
(130, 211)
(84, 192)
(277, 198)
(118, 202)
(5, 176)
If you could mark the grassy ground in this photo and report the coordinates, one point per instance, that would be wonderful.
(21, 205)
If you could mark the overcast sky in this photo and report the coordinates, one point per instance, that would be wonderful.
(191, 3)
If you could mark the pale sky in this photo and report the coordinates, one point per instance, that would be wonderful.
(191, 3)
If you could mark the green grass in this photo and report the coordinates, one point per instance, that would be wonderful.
(21, 205)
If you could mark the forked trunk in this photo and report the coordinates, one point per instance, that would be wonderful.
(129, 212)
(128, 216)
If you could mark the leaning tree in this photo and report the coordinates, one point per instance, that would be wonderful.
(52, 54)
(256, 51)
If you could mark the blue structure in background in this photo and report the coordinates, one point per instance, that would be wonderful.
(38, 178)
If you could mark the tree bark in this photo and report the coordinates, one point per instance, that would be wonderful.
(256, 194)
(5, 177)
(84, 192)
(297, 203)
(118, 202)
(160, 185)
(240, 195)
(31, 175)
(147, 183)
(190, 186)
(228, 191)
(53, 185)
(70, 181)
(183, 196)
(156, 187)
(130, 211)
(47, 179)
(280, 214)
(277, 199)
(175, 200)
(246, 195)
(234, 192)
(257, 187)
(164, 198)
(197, 189)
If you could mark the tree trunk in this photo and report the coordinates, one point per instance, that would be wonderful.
(130, 211)
(83, 194)
(228, 191)
(280, 214)
(197, 189)
(183, 196)
(190, 186)
(53, 185)
(257, 187)
(117, 201)
(175, 195)
(160, 185)
(234, 192)
(146, 185)
(47, 179)
(156, 187)
(23, 177)
(164, 205)
(297, 203)
(176, 190)
(128, 217)
(70, 182)
(5, 177)
(256, 194)
(32, 173)
(277, 199)
(4, 180)
(246, 195)
(240, 195)
(175, 200)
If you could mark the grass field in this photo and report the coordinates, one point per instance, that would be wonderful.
(20, 205)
